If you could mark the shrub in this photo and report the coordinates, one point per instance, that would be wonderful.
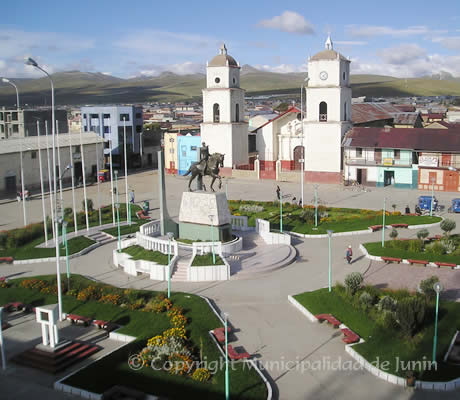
(426, 287)
(68, 211)
(422, 234)
(415, 245)
(89, 204)
(447, 226)
(387, 303)
(365, 299)
(3, 240)
(394, 233)
(249, 208)
(449, 245)
(387, 320)
(307, 215)
(201, 375)
(89, 293)
(353, 281)
(410, 313)
(436, 248)
(401, 244)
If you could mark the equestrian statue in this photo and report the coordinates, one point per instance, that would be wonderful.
(208, 165)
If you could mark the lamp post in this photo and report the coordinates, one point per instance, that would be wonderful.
(438, 289)
(117, 205)
(17, 92)
(98, 186)
(281, 211)
(227, 377)
(432, 196)
(45, 227)
(316, 205)
(23, 189)
(383, 221)
(128, 211)
(329, 234)
(1, 340)
(64, 239)
(82, 152)
(211, 217)
(302, 160)
(111, 182)
(73, 186)
(50, 179)
(170, 236)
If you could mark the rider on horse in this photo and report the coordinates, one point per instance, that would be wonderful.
(204, 155)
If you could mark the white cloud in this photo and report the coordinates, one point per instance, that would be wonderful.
(402, 54)
(185, 68)
(451, 43)
(375, 30)
(107, 73)
(282, 68)
(289, 21)
(149, 42)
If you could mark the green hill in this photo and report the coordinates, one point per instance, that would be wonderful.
(76, 88)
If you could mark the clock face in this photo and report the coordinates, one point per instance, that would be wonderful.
(323, 75)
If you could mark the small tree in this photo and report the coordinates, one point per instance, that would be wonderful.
(394, 233)
(410, 313)
(448, 226)
(365, 300)
(353, 281)
(394, 207)
(426, 287)
(422, 234)
(387, 303)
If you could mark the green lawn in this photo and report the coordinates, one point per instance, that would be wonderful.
(29, 251)
(206, 260)
(113, 369)
(139, 253)
(376, 249)
(337, 219)
(389, 345)
(126, 229)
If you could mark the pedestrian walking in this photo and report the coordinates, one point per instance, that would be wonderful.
(349, 254)
(131, 194)
(278, 192)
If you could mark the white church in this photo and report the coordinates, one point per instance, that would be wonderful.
(317, 135)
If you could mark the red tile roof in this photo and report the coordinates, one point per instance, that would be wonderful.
(420, 139)
(289, 110)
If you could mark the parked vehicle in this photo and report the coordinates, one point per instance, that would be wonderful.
(103, 175)
(455, 207)
(424, 202)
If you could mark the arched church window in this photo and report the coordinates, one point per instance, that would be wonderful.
(216, 113)
(237, 113)
(344, 76)
(323, 111)
(345, 111)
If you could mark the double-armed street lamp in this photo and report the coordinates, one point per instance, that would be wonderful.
(5, 80)
(438, 289)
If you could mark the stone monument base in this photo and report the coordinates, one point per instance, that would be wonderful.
(222, 233)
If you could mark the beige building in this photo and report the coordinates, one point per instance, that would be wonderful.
(92, 146)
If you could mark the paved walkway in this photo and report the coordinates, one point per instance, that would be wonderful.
(267, 325)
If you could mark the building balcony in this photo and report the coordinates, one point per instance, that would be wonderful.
(384, 162)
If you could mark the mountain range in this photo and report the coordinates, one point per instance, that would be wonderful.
(77, 88)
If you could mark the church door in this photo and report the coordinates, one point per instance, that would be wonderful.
(298, 155)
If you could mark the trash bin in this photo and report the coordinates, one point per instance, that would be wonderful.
(146, 207)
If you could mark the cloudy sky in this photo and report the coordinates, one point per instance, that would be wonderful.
(125, 39)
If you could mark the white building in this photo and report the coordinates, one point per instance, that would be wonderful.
(328, 114)
(224, 129)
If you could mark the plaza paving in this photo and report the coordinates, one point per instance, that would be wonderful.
(266, 324)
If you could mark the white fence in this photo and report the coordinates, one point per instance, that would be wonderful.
(211, 272)
(240, 223)
(155, 244)
(263, 229)
(151, 228)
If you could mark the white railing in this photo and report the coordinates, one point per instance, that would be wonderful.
(202, 248)
(151, 228)
(263, 229)
(211, 272)
(155, 244)
(239, 223)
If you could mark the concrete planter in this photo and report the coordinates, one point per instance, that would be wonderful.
(208, 273)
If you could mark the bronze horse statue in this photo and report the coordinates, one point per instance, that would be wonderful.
(208, 167)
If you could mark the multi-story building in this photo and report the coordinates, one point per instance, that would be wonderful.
(109, 122)
(20, 123)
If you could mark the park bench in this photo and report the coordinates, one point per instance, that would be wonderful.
(234, 355)
(6, 260)
(349, 336)
(435, 237)
(399, 225)
(141, 215)
(78, 319)
(14, 306)
(391, 259)
(329, 318)
(219, 333)
(444, 264)
(412, 214)
(421, 262)
(106, 325)
(375, 228)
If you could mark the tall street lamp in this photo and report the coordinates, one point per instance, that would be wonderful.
(437, 288)
(227, 377)
(281, 211)
(383, 221)
(211, 217)
(2, 345)
(45, 227)
(32, 62)
(17, 92)
(64, 239)
(128, 211)
(117, 205)
(170, 236)
(74, 206)
(22, 187)
(432, 196)
(329, 234)
(111, 181)
(302, 160)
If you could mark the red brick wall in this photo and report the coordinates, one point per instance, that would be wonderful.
(323, 177)
(267, 165)
(268, 174)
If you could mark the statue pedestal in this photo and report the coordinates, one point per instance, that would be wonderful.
(202, 213)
